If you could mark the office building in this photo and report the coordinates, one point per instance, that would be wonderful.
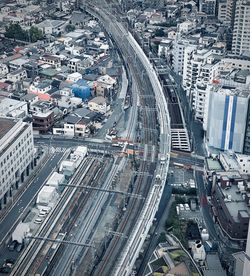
(226, 117)
(16, 156)
(241, 31)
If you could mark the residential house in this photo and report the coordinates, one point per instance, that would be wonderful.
(41, 89)
(73, 64)
(17, 75)
(74, 77)
(157, 18)
(4, 70)
(6, 86)
(43, 121)
(52, 60)
(73, 126)
(18, 63)
(104, 85)
(13, 108)
(99, 104)
(149, 12)
(51, 26)
(30, 99)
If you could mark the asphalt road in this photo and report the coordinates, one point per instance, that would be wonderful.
(115, 117)
(58, 142)
(21, 207)
(204, 205)
(187, 160)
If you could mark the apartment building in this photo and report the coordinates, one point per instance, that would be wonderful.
(241, 31)
(226, 10)
(222, 12)
(208, 7)
(16, 155)
(200, 67)
(179, 46)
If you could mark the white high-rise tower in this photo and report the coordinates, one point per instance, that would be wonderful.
(241, 32)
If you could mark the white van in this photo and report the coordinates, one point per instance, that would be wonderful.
(42, 214)
(46, 209)
(38, 221)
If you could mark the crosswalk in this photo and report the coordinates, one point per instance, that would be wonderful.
(57, 150)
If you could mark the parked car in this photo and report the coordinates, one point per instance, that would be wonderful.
(46, 209)
(9, 263)
(38, 221)
(13, 245)
(42, 214)
(19, 247)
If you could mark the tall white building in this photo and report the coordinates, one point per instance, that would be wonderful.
(179, 46)
(16, 155)
(199, 69)
(241, 31)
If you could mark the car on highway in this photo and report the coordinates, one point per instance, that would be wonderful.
(38, 221)
(12, 246)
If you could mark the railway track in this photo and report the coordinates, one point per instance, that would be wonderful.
(76, 209)
(30, 260)
(142, 185)
(105, 268)
(86, 227)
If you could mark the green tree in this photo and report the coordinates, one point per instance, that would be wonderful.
(15, 31)
(159, 32)
(35, 34)
(69, 28)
